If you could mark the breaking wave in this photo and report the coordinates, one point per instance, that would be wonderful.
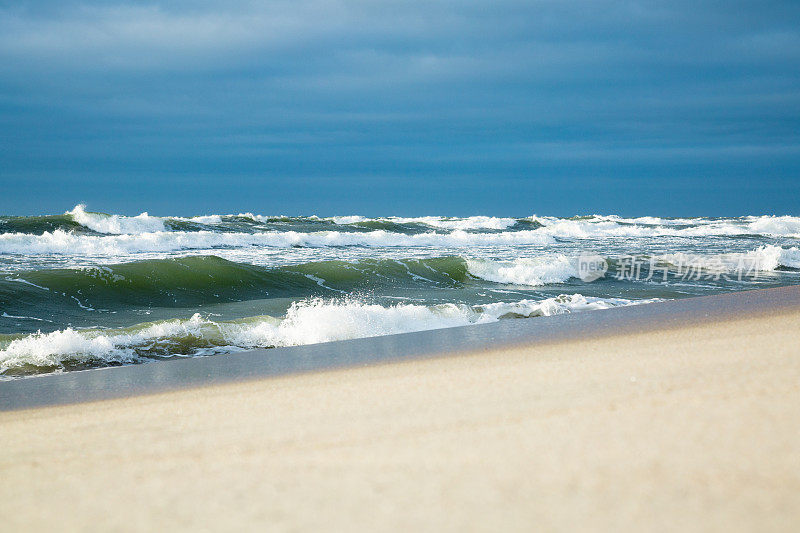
(82, 277)
(79, 220)
(116, 224)
(198, 280)
(307, 322)
(523, 271)
(67, 243)
(763, 259)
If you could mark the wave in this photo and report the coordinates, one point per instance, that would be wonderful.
(199, 280)
(524, 271)
(80, 220)
(41, 224)
(555, 269)
(601, 226)
(66, 243)
(591, 226)
(76, 244)
(144, 223)
(191, 281)
(596, 226)
(752, 225)
(306, 322)
(766, 258)
(477, 222)
(548, 270)
(103, 223)
(449, 223)
(772, 225)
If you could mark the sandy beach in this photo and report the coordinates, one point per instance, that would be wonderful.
(686, 427)
(346, 266)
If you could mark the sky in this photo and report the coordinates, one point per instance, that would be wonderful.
(462, 107)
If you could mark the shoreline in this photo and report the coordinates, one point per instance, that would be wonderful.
(161, 376)
(689, 426)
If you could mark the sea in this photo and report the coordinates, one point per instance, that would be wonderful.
(84, 289)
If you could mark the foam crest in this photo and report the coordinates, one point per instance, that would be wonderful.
(315, 321)
(116, 224)
(352, 219)
(450, 223)
(524, 271)
(763, 259)
(564, 303)
(771, 225)
(203, 219)
(76, 348)
(610, 228)
(597, 226)
(62, 242)
(306, 322)
(584, 227)
(789, 257)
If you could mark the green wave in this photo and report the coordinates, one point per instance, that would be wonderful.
(93, 224)
(38, 225)
(189, 281)
(408, 228)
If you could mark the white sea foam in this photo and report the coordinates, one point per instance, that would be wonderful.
(606, 228)
(789, 257)
(565, 303)
(547, 270)
(451, 223)
(116, 224)
(203, 219)
(594, 226)
(62, 242)
(306, 322)
(91, 346)
(763, 259)
(350, 219)
(598, 226)
(271, 218)
(315, 321)
(525, 271)
(770, 225)
(653, 221)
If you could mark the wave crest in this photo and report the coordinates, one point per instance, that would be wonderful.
(309, 321)
(116, 224)
(766, 258)
(532, 272)
(62, 242)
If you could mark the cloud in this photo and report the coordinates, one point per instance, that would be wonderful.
(505, 87)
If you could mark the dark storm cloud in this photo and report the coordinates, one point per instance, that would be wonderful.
(504, 106)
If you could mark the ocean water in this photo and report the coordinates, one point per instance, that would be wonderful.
(83, 289)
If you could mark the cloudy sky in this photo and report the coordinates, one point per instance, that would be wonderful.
(439, 107)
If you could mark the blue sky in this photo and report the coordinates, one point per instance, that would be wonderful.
(441, 107)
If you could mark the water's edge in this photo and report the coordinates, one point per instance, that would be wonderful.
(117, 382)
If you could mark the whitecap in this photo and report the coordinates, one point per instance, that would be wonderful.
(116, 224)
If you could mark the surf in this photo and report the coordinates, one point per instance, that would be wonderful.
(309, 321)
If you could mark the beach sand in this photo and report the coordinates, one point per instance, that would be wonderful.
(687, 428)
